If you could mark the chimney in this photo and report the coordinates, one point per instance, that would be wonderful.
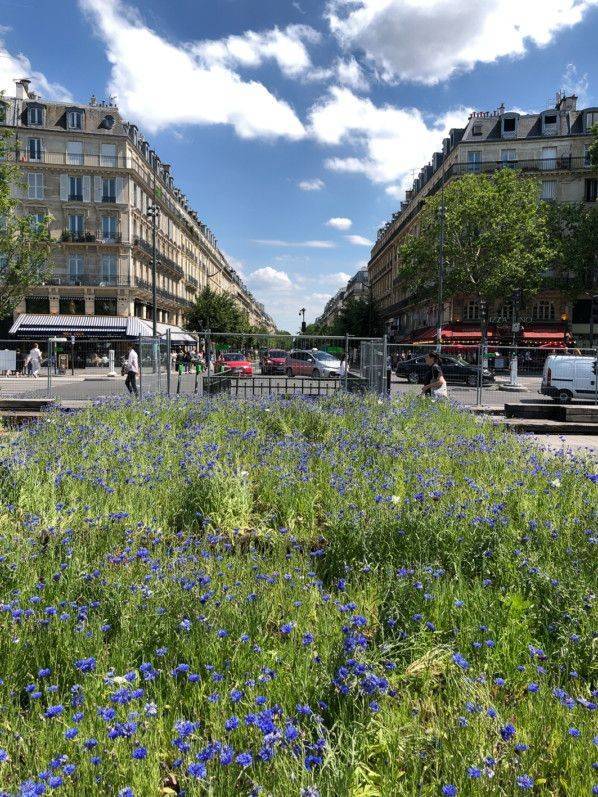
(564, 103)
(22, 87)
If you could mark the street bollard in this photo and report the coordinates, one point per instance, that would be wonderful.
(178, 381)
(197, 372)
(111, 371)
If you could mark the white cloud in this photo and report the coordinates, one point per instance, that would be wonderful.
(428, 40)
(160, 84)
(322, 297)
(337, 280)
(294, 244)
(19, 66)
(390, 141)
(339, 223)
(285, 47)
(311, 185)
(349, 73)
(574, 83)
(270, 278)
(358, 240)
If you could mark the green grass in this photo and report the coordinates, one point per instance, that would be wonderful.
(311, 568)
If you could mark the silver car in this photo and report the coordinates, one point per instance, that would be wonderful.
(315, 363)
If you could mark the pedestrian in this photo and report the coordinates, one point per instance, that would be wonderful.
(132, 369)
(34, 360)
(435, 383)
(342, 371)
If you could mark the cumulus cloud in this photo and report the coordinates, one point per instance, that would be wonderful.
(311, 185)
(19, 66)
(409, 39)
(250, 50)
(390, 141)
(350, 73)
(339, 223)
(161, 84)
(269, 277)
(575, 83)
(275, 242)
(358, 240)
(336, 280)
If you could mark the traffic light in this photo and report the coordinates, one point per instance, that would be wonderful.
(594, 309)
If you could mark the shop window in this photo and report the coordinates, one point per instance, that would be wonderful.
(68, 305)
(105, 306)
(37, 304)
(543, 311)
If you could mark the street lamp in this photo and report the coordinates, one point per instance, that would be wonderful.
(440, 314)
(153, 213)
(302, 312)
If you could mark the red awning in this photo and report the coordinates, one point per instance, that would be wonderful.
(544, 334)
(459, 334)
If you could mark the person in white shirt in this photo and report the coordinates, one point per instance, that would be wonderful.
(132, 366)
(35, 359)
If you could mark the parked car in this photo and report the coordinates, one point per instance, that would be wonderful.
(567, 377)
(273, 361)
(454, 369)
(312, 363)
(235, 362)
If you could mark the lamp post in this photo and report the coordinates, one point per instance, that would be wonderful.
(440, 314)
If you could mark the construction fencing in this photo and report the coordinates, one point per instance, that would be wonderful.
(242, 365)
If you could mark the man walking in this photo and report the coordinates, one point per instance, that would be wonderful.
(34, 359)
(132, 367)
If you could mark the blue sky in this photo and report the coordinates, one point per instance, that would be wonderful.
(294, 127)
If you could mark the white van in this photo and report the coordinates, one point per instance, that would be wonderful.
(566, 377)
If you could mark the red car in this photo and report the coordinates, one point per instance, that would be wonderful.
(273, 361)
(234, 362)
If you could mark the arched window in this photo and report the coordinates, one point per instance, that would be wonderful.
(472, 311)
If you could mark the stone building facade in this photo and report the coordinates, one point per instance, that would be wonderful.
(356, 288)
(96, 176)
(553, 147)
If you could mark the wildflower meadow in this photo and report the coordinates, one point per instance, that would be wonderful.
(345, 596)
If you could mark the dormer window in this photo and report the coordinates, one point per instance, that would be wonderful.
(35, 115)
(477, 129)
(509, 126)
(74, 119)
(549, 124)
(591, 120)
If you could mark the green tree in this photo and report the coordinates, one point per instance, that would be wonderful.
(496, 235)
(217, 312)
(574, 230)
(24, 244)
(594, 146)
(359, 317)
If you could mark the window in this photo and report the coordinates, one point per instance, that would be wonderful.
(109, 269)
(37, 304)
(105, 306)
(71, 306)
(591, 194)
(35, 115)
(107, 154)
(37, 220)
(474, 159)
(543, 311)
(508, 157)
(74, 152)
(476, 130)
(34, 149)
(76, 189)
(472, 311)
(75, 269)
(109, 190)
(508, 125)
(35, 185)
(74, 120)
(76, 224)
(548, 158)
(548, 189)
(109, 226)
(591, 120)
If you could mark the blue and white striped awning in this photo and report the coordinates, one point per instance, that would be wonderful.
(44, 325)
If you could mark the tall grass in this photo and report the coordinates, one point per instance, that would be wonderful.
(334, 597)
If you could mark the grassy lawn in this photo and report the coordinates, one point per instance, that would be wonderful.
(342, 597)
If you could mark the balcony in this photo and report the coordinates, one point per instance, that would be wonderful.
(75, 198)
(108, 198)
(77, 237)
(94, 280)
(164, 263)
(70, 159)
(162, 292)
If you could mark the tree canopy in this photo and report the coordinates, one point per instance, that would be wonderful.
(574, 231)
(217, 312)
(24, 243)
(496, 237)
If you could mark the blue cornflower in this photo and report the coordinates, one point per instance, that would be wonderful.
(55, 781)
(126, 792)
(44, 672)
(575, 732)
(286, 628)
(474, 772)
(54, 711)
(533, 687)
(449, 790)
(507, 732)
(520, 748)
(525, 782)
(231, 723)
(86, 665)
(70, 733)
(139, 753)
(3, 755)
(244, 759)
(460, 661)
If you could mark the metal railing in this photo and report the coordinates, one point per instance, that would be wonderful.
(98, 280)
(85, 160)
